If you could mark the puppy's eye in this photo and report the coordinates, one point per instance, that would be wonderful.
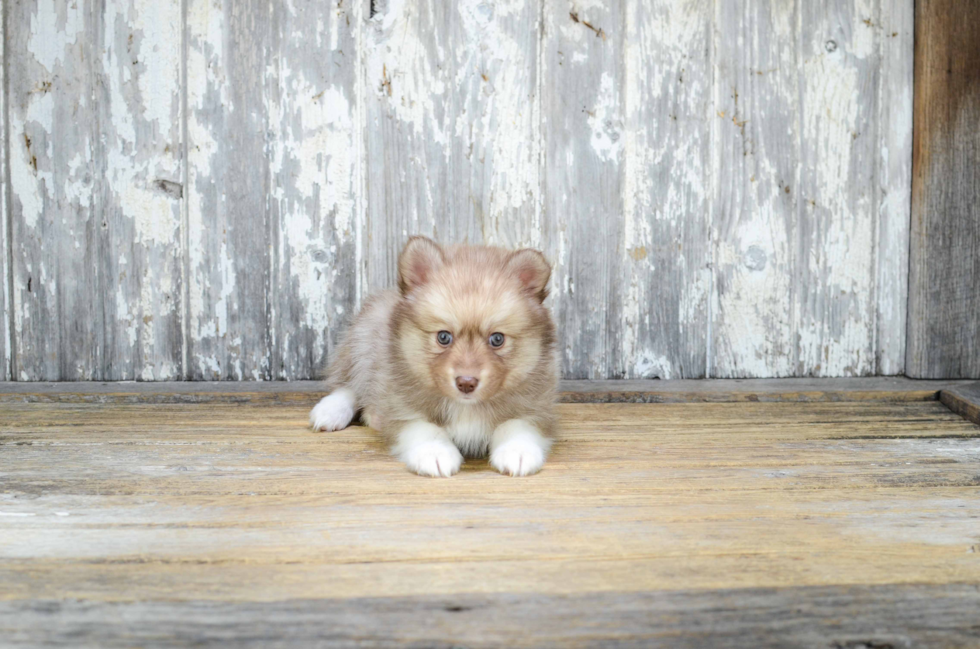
(445, 338)
(496, 339)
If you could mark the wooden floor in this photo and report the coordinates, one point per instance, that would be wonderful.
(849, 524)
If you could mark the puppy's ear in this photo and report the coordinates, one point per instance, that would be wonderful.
(420, 259)
(532, 270)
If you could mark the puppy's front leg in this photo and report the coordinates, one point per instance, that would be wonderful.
(518, 448)
(426, 449)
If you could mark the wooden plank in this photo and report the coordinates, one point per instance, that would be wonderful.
(835, 273)
(6, 323)
(583, 115)
(58, 233)
(894, 189)
(570, 391)
(944, 265)
(314, 152)
(854, 617)
(795, 211)
(963, 400)
(139, 68)
(238, 504)
(757, 148)
(451, 101)
(95, 192)
(666, 140)
(230, 82)
(765, 390)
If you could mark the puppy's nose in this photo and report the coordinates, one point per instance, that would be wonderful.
(466, 384)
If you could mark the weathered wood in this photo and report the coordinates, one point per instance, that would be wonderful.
(851, 616)
(757, 149)
(795, 210)
(645, 148)
(58, 229)
(6, 323)
(963, 400)
(451, 104)
(140, 204)
(583, 122)
(95, 192)
(752, 390)
(231, 81)
(835, 264)
(944, 265)
(895, 32)
(315, 162)
(211, 507)
(571, 391)
(666, 140)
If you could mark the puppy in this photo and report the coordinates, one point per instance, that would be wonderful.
(460, 360)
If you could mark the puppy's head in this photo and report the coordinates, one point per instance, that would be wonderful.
(473, 325)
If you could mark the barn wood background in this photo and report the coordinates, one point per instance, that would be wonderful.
(207, 190)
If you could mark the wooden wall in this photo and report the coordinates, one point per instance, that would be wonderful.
(207, 190)
(944, 277)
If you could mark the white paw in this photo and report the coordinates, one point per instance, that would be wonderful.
(335, 411)
(438, 458)
(518, 449)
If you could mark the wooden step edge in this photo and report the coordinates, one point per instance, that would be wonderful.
(870, 389)
(964, 400)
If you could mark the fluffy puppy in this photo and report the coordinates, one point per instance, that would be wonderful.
(460, 360)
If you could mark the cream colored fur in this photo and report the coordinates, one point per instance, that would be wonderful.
(392, 367)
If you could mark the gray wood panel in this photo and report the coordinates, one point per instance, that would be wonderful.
(848, 617)
(835, 218)
(7, 320)
(451, 107)
(95, 194)
(315, 165)
(231, 82)
(583, 123)
(757, 149)
(944, 272)
(723, 187)
(665, 250)
(866, 389)
(800, 200)
(59, 236)
(894, 188)
(140, 129)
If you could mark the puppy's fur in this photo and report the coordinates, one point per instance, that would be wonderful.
(393, 368)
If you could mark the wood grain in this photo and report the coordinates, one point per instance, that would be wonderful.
(757, 145)
(893, 199)
(451, 99)
(963, 400)
(140, 127)
(95, 171)
(802, 288)
(835, 259)
(231, 83)
(804, 524)
(723, 188)
(944, 272)
(6, 253)
(570, 391)
(58, 231)
(873, 616)
(238, 503)
(315, 160)
(583, 121)
(666, 142)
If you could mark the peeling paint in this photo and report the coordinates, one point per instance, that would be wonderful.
(743, 190)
